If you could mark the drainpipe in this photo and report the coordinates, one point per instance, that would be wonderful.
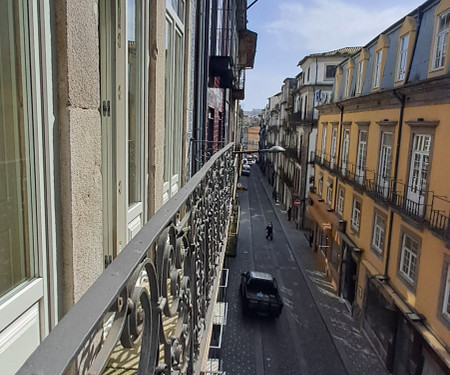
(401, 98)
(305, 178)
(341, 108)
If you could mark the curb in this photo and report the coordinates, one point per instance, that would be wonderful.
(312, 289)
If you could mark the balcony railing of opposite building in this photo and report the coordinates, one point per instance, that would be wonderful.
(154, 303)
(414, 202)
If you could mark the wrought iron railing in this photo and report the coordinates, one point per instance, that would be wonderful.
(417, 203)
(168, 272)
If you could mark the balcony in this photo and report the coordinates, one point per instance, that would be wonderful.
(151, 310)
(221, 67)
(422, 206)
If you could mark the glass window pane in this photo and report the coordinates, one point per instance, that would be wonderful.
(134, 101)
(16, 163)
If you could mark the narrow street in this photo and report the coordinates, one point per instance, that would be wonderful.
(296, 343)
(303, 340)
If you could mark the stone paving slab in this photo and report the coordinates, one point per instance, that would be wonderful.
(353, 346)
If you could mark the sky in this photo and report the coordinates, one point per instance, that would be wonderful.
(289, 30)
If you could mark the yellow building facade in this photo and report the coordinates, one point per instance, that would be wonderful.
(380, 204)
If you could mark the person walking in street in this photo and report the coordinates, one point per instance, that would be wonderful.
(289, 213)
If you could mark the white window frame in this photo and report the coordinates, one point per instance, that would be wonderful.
(361, 157)
(340, 202)
(446, 302)
(324, 144)
(377, 68)
(409, 260)
(348, 81)
(175, 86)
(359, 77)
(440, 41)
(379, 232)
(345, 150)
(329, 197)
(320, 186)
(333, 147)
(356, 214)
(402, 57)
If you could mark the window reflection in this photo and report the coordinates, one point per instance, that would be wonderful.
(134, 97)
(16, 165)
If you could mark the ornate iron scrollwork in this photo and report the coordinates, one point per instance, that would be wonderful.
(150, 306)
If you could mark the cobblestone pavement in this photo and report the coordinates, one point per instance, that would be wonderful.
(316, 334)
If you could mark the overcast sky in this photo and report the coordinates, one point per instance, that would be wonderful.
(288, 30)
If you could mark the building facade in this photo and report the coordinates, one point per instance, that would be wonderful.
(379, 205)
(99, 100)
(296, 128)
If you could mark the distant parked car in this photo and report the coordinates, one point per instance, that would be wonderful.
(246, 170)
(259, 294)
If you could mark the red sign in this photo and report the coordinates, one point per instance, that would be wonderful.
(296, 202)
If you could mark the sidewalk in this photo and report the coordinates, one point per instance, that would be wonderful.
(356, 352)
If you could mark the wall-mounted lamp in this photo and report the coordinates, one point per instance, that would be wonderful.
(415, 317)
(382, 277)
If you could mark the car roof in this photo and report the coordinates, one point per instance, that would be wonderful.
(261, 275)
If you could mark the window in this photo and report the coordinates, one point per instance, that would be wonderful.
(309, 73)
(330, 70)
(175, 56)
(329, 192)
(361, 156)
(345, 147)
(320, 186)
(333, 147)
(384, 163)
(446, 302)
(359, 77)
(356, 214)
(402, 57)
(348, 81)
(409, 258)
(340, 201)
(377, 69)
(379, 227)
(440, 41)
(18, 167)
(323, 145)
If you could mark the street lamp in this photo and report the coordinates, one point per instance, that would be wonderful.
(272, 150)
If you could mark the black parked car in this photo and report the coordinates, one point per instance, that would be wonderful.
(259, 294)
